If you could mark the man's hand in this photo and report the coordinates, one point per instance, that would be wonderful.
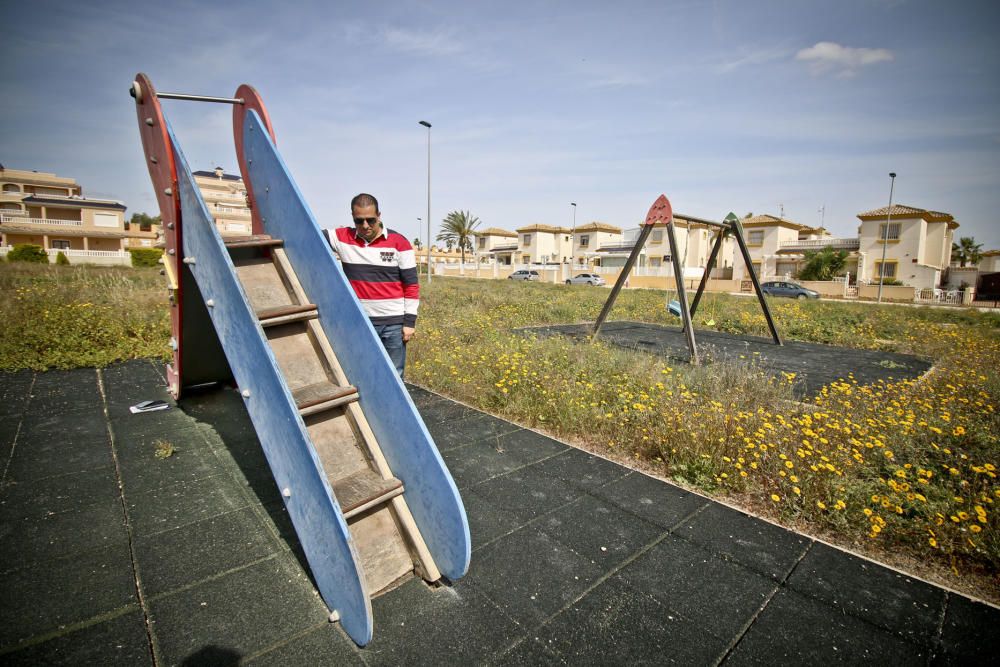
(408, 333)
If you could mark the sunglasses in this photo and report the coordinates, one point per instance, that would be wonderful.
(360, 221)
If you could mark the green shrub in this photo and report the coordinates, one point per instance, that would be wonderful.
(28, 252)
(145, 256)
(62, 259)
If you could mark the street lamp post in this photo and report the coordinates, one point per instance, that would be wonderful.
(885, 237)
(572, 239)
(428, 126)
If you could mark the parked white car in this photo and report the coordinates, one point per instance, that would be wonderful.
(586, 279)
(524, 275)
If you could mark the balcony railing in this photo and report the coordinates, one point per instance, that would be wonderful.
(232, 211)
(20, 219)
(819, 244)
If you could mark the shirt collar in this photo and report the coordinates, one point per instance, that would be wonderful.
(359, 237)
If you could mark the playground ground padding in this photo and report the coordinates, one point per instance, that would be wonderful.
(112, 554)
(814, 365)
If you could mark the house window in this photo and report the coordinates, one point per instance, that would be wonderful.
(893, 231)
(526, 239)
(584, 240)
(59, 244)
(657, 236)
(890, 270)
(526, 259)
(481, 243)
(106, 220)
(755, 266)
(755, 237)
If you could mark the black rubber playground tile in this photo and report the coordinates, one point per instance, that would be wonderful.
(239, 614)
(474, 428)
(325, 644)
(655, 501)
(65, 426)
(969, 633)
(599, 531)
(121, 640)
(794, 629)
(814, 365)
(615, 625)
(172, 506)
(531, 575)
(143, 470)
(721, 596)
(30, 540)
(441, 412)
(416, 625)
(195, 551)
(37, 457)
(526, 493)
(755, 544)
(44, 598)
(871, 592)
(491, 457)
(48, 496)
(15, 390)
(582, 469)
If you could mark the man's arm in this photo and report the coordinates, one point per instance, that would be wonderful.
(411, 287)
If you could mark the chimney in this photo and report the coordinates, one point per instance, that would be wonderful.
(218, 172)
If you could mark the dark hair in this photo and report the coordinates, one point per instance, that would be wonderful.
(364, 199)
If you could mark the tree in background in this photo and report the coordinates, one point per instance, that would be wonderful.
(144, 221)
(457, 229)
(416, 243)
(966, 251)
(825, 264)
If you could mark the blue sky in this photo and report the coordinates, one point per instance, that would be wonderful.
(743, 106)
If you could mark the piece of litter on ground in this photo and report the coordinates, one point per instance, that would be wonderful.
(604, 548)
(149, 406)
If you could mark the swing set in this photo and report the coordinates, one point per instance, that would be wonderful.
(661, 212)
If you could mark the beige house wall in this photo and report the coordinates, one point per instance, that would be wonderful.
(990, 263)
(595, 239)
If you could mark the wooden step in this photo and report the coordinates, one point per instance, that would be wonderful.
(363, 490)
(314, 398)
(270, 317)
(258, 241)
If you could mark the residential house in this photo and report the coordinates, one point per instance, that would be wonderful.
(225, 196)
(915, 242)
(777, 246)
(543, 244)
(989, 261)
(498, 244)
(588, 241)
(50, 211)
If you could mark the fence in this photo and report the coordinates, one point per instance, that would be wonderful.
(105, 257)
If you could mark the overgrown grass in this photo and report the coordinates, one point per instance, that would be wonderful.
(900, 467)
(71, 316)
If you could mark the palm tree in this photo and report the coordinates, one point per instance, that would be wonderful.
(457, 229)
(416, 243)
(966, 250)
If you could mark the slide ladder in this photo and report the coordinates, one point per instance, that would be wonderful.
(366, 489)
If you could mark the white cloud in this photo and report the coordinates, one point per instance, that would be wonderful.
(759, 57)
(438, 43)
(844, 60)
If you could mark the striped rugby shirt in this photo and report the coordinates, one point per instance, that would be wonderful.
(383, 274)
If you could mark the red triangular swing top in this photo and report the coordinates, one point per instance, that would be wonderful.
(660, 211)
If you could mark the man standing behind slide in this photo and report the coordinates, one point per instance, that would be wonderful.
(382, 269)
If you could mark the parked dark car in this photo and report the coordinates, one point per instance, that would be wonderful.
(586, 279)
(789, 289)
(522, 274)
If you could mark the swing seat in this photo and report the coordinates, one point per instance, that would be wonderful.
(675, 308)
